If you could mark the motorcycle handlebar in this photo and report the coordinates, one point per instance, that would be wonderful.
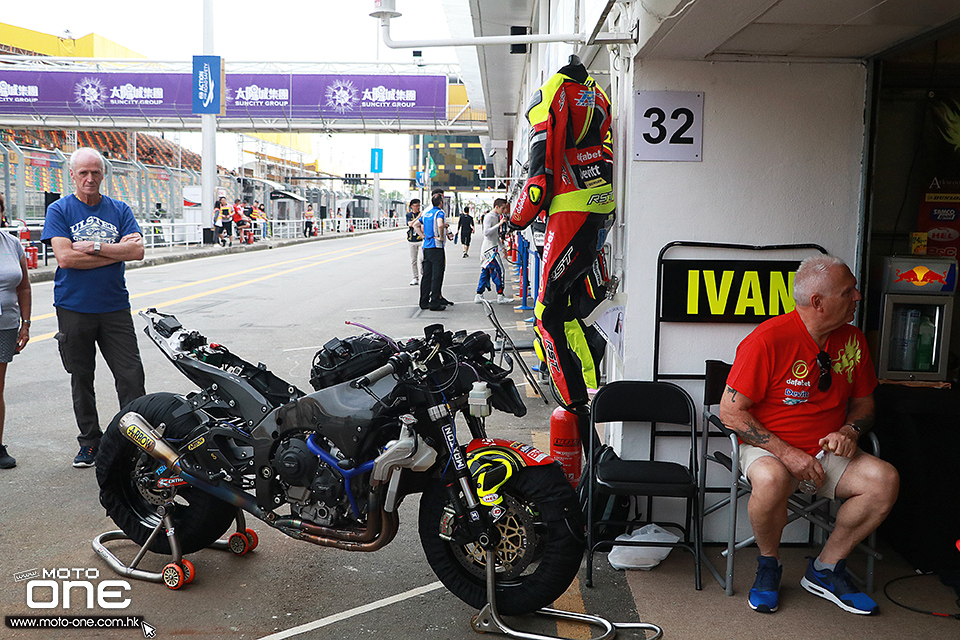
(397, 362)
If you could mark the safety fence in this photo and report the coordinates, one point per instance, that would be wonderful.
(159, 234)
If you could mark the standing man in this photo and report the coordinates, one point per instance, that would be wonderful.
(465, 229)
(802, 383)
(414, 240)
(308, 221)
(491, 264)
(432, 227)
(92, 236)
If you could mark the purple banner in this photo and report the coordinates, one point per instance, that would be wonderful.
(160, 95)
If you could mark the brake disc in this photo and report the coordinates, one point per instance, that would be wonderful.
(518, 544)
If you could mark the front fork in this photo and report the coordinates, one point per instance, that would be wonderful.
(467, 522)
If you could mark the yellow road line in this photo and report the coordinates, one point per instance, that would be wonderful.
(202, 294)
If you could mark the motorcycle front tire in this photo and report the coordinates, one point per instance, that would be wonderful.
(558, 545)
(198, 517)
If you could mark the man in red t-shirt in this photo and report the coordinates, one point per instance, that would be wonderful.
(801, 384)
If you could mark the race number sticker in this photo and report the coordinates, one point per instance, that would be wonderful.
(669, 126)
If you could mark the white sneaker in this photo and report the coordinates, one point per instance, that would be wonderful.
(478, 298)
(414, 282)
(503, 300)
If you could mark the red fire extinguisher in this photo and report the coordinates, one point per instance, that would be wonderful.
(565, 443)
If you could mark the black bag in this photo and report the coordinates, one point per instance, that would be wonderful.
(606, 506)
(343, 360)
(412, 235)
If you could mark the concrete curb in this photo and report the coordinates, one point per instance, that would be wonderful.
(179, 254)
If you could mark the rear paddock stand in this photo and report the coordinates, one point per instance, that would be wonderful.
(180, 571)
(489, 621)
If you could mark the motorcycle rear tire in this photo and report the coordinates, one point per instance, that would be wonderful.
(199, 518)
(559, 550)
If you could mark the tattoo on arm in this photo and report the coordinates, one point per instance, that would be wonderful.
(733, 394)
(753, 433)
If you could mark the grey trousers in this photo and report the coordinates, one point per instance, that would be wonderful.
(78, 337)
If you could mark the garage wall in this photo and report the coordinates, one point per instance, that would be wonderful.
(782, 163)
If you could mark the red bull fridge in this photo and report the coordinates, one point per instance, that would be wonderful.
(917, 317)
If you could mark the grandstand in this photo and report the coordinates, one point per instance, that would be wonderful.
(112, 144)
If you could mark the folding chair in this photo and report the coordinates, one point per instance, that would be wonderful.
(817, 511)
(657, 403)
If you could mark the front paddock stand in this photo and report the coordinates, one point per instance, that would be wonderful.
(489, 621)
(180, 571)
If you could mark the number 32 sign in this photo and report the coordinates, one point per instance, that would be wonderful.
(669, 126)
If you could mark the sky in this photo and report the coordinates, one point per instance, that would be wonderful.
(256, 30)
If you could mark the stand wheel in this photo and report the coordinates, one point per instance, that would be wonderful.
(252, 538)
(238, 543)
(173, 576)
(189, 571)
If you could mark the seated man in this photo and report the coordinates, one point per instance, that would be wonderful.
(802, 383)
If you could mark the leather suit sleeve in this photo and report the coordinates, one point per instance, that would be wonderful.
(546, 115)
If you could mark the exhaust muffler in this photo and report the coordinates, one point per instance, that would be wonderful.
(138, 431)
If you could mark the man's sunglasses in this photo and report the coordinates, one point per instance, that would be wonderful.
(823, 361)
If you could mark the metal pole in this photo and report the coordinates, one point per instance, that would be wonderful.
(6, 174)
(376, 181)
(208, 123)
(21, 181)
(422, 170)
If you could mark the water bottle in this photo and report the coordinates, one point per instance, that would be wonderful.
(809, 487)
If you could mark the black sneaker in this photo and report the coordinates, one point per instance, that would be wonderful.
(446, 302)
(86, 458)
(7, 461)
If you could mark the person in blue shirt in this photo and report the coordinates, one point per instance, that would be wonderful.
(92, 236)
(432, 226)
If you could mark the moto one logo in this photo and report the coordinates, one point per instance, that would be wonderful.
(76, 586)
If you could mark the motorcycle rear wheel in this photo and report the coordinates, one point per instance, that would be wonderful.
(199, 518)
(536, 560)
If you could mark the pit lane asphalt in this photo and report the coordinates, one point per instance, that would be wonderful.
(277, 307)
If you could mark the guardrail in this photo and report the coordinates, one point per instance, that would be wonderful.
(164, 234)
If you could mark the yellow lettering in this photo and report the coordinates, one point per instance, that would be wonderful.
(781, 293)
(693, 292)
(717, 300)
(750, 294)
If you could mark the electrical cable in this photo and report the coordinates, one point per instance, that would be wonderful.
(955, 616)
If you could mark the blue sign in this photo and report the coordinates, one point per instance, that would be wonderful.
(376, 160)
(207, 85)
(421, 179)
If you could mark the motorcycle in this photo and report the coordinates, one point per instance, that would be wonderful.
(332, 467)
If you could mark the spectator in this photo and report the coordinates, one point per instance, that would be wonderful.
(465, 229)
(414, 240)
(15, 307)
(802, 383)
(240, 222)
(491, 263)
(433, 228)
(263, 216)
(308, 221)
(226, 220)
(92, 236)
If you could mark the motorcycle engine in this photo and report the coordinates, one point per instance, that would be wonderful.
(314, 490)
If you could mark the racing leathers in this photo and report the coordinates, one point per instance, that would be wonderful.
(570, 180)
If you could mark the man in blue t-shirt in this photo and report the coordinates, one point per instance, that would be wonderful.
(92, 236)
(433, 228)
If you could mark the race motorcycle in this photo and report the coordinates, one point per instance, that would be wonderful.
(331, 467)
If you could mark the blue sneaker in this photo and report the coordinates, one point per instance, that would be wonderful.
(765, 594)
(837, 587)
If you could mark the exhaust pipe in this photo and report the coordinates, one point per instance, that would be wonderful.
(138, 431)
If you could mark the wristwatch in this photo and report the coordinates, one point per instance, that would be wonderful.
(856, 428)
(96, 247)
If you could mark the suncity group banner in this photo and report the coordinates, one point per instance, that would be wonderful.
(160, 95)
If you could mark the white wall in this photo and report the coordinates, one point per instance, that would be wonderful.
(782, 157)
(782, 163)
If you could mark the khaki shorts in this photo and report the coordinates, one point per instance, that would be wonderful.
(833, 468)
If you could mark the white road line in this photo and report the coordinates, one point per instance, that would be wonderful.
(356, 611)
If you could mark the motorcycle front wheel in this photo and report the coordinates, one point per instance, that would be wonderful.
(537, 558)
(130, 490)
